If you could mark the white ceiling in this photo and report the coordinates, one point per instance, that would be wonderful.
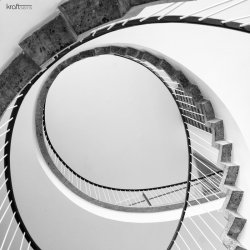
(115, 123)
(53, 220)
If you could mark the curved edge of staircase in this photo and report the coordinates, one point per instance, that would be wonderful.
(234, 195)
(28, 63)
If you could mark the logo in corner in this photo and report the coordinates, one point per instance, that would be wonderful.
(18, 6)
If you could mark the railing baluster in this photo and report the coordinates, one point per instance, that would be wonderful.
(204, 174)
(76, 181)
(4, 133)
(5, 212)
(157, 12)
(109, 195)
(190, 111)
(85, 185)
(72, 177)
(147, 200)
(184, 241)
(9, 108)
(5, 123)
(111, 26)
(209, 189)
(112, 191)
(208, 149)
(207, 200)
(5, 197)
(191, 132)
(80, 185)
(4, 184)
(204, 163)
(170, 11)
(104, 194)
(177, 245)
(204, 9)
(244, 25)
(219, 11)
(199, 229)
(94, 187)
(235, 19)
(12, 239)
(8, 229)
(3, 173)
(21, 245)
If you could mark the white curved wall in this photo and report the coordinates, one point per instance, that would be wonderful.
(224, 56)
(219, 59)
(54, 221)
(58, 219)
(43, 10)
(115, 123)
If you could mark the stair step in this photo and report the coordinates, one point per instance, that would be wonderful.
(231, 243)
(207, 109)
(217, 129)
(230, 174)
(225, 150)
(235, 224)
(234, 197)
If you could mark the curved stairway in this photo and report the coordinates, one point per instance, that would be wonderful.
(40, 54)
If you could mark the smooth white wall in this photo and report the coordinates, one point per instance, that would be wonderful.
(219, 60)
(115, 123)
(16, 24)
(188, 46)
(59, 219)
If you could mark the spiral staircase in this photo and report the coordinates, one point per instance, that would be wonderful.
(206, 211)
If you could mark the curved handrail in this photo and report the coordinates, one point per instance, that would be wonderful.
(169, 19)
(40, 129)
(7, 149)
(108, 187)
(46, 146)
(102, 187)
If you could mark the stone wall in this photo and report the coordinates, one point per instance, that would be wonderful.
(86, 14)
(14, 78)
(48, 40)
(83, 15)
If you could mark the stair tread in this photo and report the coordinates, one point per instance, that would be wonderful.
(214, 120)
(223, 142)
(232, 187)
(229, 164)
(235, 214)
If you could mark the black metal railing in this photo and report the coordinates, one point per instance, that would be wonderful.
(6, 170)
(158, 196)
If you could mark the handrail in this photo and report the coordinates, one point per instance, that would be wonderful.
(171, 19)
(236, 19)
(167, 19)
(8, 141)
(94, 190)
(108, 187)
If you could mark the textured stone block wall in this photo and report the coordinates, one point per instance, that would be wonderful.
(14, 78)
(86, 14)
(48, 40)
